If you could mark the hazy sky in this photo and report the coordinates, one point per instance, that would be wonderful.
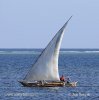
(33, 23)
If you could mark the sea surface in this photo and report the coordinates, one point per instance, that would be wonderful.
(80, 65)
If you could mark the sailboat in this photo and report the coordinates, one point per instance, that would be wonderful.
(44, 71)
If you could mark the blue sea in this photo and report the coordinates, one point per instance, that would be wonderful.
(80, 65)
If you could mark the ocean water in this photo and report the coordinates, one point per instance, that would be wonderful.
(80, 65)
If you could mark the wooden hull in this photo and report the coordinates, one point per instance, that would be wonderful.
(48, 84)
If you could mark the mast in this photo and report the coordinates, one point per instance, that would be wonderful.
(46, 66)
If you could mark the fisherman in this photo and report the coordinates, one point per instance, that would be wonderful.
(67, 80)
(62, 78)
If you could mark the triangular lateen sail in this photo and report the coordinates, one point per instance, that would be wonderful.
(46, 66)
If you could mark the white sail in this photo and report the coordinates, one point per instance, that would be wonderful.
(46, 66)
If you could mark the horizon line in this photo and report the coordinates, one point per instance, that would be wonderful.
(43, 48)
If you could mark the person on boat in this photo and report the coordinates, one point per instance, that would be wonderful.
(68, 80)
(62, 78)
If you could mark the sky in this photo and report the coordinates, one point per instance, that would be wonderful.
(33, 23)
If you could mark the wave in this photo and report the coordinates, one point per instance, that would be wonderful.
(39, 51)
(64, 52)
(19, 52)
